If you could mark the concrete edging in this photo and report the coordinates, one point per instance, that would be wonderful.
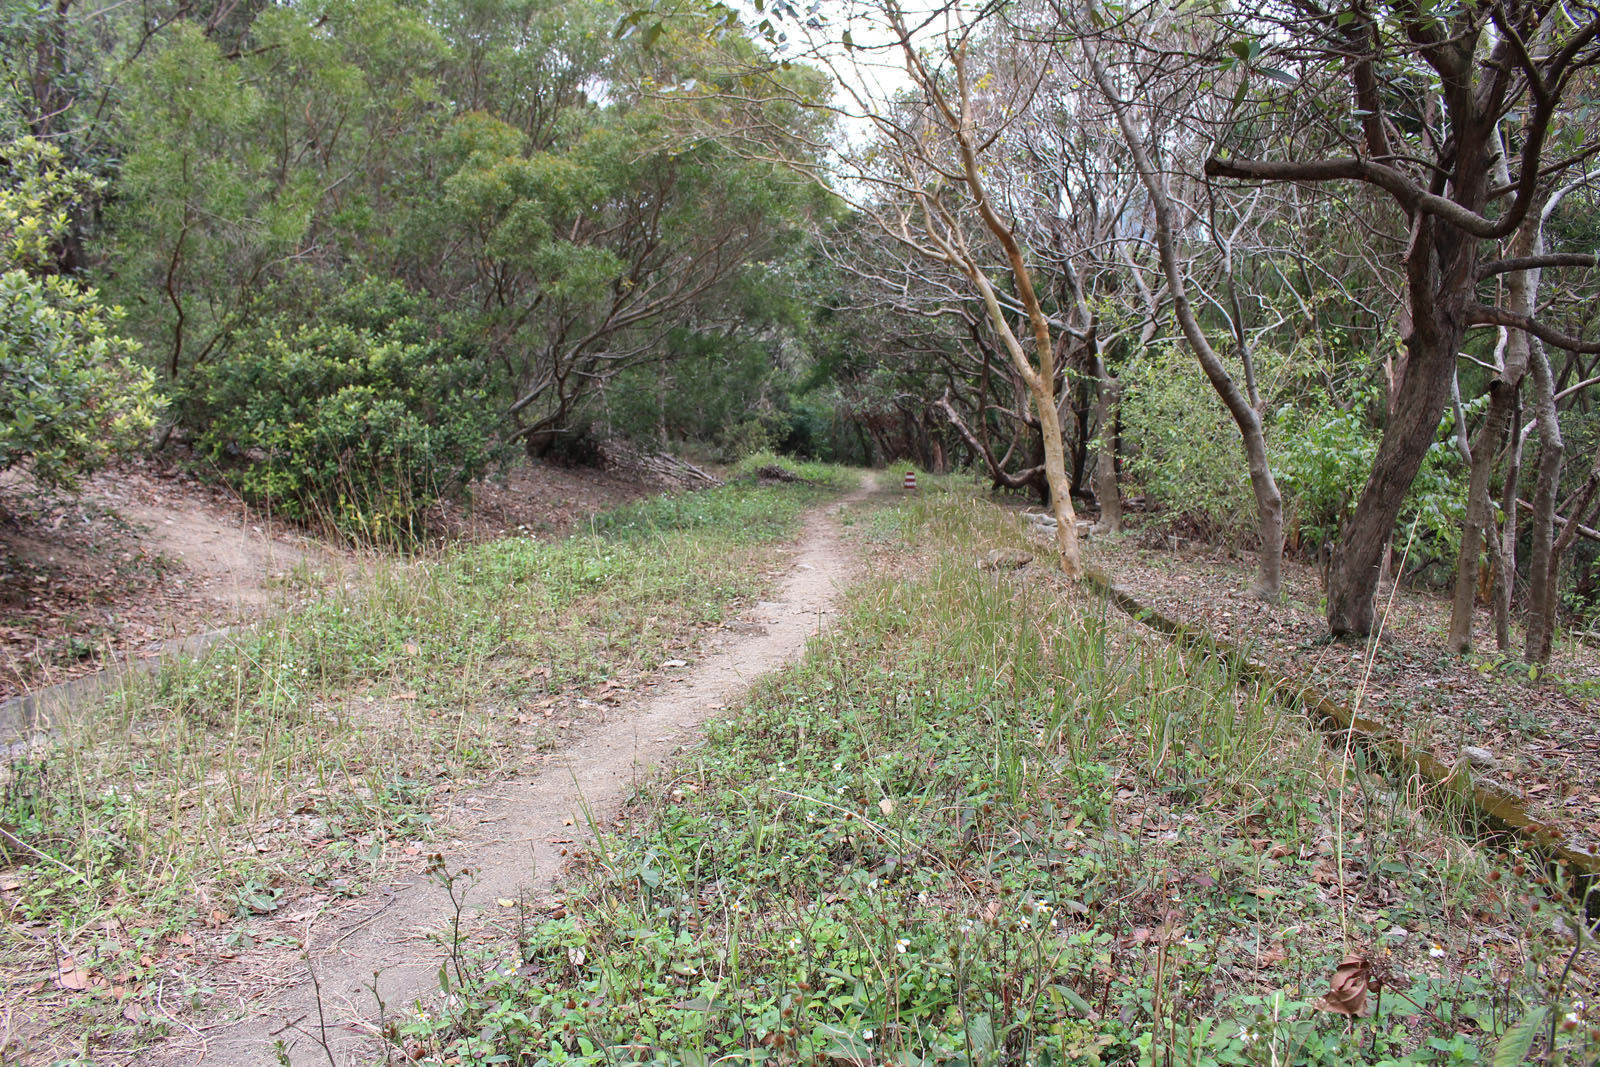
(24, 717)
(1500, 818)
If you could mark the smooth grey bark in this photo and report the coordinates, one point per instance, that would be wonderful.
(1269, 501)
(1490, 437)
(1542, 561)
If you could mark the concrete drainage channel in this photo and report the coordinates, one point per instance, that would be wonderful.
(1499, 818)
(26, 718)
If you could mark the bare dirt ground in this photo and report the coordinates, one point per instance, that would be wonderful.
(146, 553)
(140, 556)
(1542, 732)
(505, 848)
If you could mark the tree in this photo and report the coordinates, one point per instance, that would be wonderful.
(1167, 228)
(1433, 89)
(922, 180)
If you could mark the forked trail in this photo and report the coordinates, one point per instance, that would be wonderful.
(513, 839)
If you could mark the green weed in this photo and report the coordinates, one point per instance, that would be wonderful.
(986, 823)
(297, 755)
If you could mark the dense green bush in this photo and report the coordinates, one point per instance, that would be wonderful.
(1322, 460)
(361, 410)
(1185, 456)
(710, 388)
(1322, 455)
(71, 395)
(1187, 459)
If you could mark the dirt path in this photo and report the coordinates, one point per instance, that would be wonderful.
(515, 838)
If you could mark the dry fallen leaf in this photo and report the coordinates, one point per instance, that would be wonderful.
(886, 806)
(71, 976)
(1347, 994)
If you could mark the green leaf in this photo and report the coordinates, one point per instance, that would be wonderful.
(1518, 1039)
(650, 34)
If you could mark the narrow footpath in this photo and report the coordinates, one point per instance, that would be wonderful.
(514, 838)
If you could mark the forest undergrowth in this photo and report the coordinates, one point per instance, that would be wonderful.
(287, 769)
(990, 821)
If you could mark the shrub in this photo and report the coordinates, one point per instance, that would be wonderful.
(1187, 457)
(71, 395)
(1322, 456)
(362, 412)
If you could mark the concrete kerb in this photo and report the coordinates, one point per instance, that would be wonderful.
(1498, 819)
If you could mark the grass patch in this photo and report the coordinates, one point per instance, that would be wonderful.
(988, 822)
(295, 758)
(817, 474)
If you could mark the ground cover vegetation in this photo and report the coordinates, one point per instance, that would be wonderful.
(289, 765)
(991, 820)
(1290, 279)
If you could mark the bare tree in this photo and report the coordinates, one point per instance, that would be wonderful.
(1241, 406)
(923, 179)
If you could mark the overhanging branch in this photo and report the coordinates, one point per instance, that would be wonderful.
(1488, 315)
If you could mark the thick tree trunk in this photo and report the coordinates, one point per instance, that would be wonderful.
(1441, 273)
(1358, 557)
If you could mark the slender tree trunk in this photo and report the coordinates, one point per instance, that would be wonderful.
(1521, 287)
(1542, 562)
(1269, 502)
(1505, 573)
(1490, 437)
(1107, 401)
(1039, 379)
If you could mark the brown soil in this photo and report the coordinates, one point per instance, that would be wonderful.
(146, 553)
(140, 556)
(540, 499)
(507, 846)
(1542, 732)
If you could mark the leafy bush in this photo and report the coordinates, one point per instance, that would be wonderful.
(1187, 457)
(1322, 461)
(1322, 457)
(71, 395)
(362, 412)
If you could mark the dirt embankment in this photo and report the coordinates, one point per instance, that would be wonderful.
(146, 554)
